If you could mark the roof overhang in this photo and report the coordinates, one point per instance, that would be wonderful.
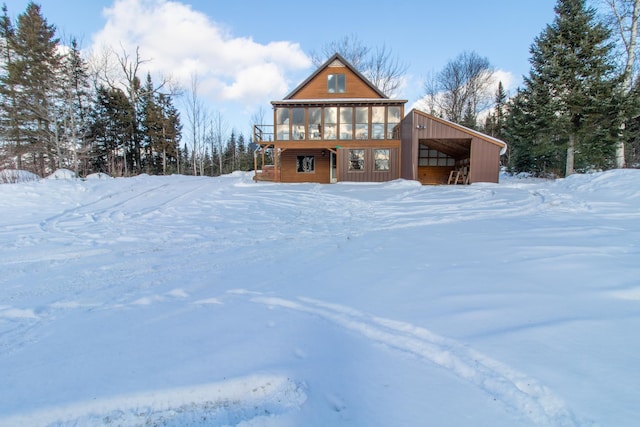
(471, 132)
(339, 101)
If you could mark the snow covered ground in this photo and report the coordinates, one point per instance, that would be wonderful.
(201, 301)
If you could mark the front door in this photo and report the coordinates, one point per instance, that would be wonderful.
(333, 178)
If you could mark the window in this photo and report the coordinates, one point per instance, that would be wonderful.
(377, 122)
(336, 83)
(330, 122)
(393, 122)
(381, 160)
(282, 124)
(306, 164)
(346, 123)
(430, 157)
(356, 160)
(315, 123)
(362, 123)
(297, 123)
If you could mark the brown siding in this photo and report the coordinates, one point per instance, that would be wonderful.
(485, 161)
(288, 166)
(483, 152)
(433, 175)
(317, 87)
(409, 153)
(369, 174)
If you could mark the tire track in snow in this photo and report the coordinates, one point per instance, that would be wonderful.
(515, 390)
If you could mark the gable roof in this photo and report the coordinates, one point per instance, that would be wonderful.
(335, 57)
(471, 132)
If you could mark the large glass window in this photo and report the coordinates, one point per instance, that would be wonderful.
(336, 83)
(381, 160)
(282, 124)
(362, 122)
(330, 122)
(393, 122)
(356, 160)
(377, 122)
(306, 164)
(346, 122)
(297, 123)
(315, 123)
(431, 157)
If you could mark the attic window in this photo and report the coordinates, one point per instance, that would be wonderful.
(336, 83)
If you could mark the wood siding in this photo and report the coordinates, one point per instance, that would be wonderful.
(368, 174)
(481, 151)
(486, 158)
(289, 166)
(317, 87)
(434, 175)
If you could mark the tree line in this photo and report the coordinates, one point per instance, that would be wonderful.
(578, 108)
(59, 111)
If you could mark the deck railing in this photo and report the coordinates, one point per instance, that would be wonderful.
(262, 134)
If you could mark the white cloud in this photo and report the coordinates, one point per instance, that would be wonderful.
(180, 41)
(508, 83)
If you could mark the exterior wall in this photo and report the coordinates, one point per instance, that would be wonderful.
(317, 88)
(288, 166)
(410, 146)
(368, 174)
(485, 161)
(433, 175)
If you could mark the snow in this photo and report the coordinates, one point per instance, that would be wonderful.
(193, 301)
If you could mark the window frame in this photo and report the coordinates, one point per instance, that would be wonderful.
(300, 163)
(361, 161)
(336, 83)
(386, 160)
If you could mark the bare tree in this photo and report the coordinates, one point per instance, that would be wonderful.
(196, 120)
(460, 87)
(350, 47)
(219, 129)
(379, 65)
(624, 15)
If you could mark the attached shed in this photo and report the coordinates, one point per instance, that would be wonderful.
(434, 151)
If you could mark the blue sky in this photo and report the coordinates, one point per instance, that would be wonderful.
(247, 53)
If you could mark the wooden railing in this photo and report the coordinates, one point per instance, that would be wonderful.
(262, 134)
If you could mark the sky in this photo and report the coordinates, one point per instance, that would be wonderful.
(248, 53)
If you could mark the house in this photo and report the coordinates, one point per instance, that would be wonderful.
(337, 126)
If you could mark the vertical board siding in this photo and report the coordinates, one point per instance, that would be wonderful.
(369, 174)
(483, 154)
(485, 161)
(288, 166)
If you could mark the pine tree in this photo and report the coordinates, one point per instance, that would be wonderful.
(34, 73)
(76, 104)
(8, 95)
(571, 94)
(110, 130)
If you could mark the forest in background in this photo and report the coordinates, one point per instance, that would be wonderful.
(578, 109)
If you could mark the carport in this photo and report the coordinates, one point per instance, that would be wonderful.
(437, 151)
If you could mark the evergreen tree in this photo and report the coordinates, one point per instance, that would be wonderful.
(11, 136)
(571, 95)
(110, 131)
(32, 76)
(76, 104)
(496, 120)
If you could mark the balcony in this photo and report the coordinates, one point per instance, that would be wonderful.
(263, 137)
